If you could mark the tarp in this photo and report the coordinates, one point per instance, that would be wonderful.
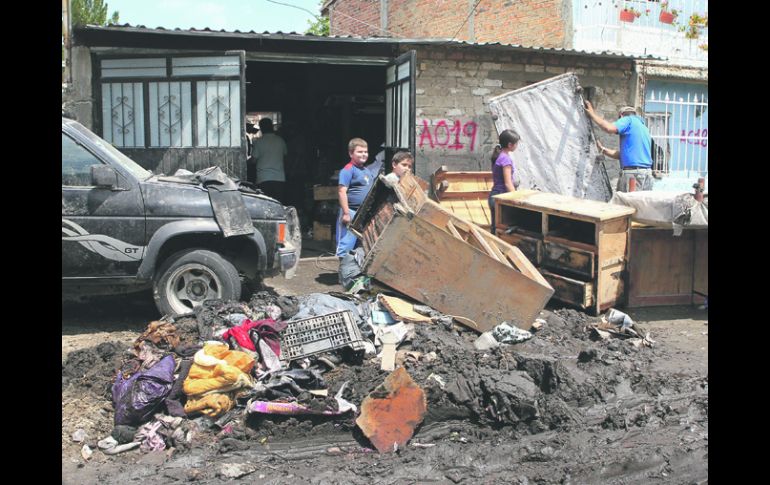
(557, 152)
(675, 210)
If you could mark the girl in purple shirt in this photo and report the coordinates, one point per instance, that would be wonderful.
(502, 169)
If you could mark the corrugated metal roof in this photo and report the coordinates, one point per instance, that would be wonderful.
(352, 39)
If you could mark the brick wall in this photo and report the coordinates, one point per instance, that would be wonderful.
(453, 123)
(522, 22)
(355, 17)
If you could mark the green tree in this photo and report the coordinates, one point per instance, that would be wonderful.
(92, 12)
(320, 26)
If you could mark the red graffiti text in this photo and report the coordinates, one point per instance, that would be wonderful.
(453, 135)
(687, 137)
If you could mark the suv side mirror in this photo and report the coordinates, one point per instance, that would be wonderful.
(103, 176)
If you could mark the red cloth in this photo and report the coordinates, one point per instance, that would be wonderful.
(267, 329)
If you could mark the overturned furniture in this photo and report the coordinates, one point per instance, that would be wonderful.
(464, 194)
(581, 246)
(415, 246)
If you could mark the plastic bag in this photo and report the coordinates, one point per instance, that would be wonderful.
(136, 399)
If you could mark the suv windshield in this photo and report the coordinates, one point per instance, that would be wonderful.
(130, 165)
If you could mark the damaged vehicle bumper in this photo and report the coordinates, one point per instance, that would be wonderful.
(287, 257)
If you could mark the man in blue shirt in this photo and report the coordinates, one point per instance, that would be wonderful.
(354, 184)
(634, 150)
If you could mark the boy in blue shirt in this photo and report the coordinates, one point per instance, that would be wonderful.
(634, 150)
(354, 184)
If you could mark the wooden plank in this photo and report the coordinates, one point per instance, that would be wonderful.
(452, 277)
(453, 230)
(568, 290)
(491, 249)
(569, 242)
(701, 270)
(660, 265)
(582, 209)
(530, 246)
(515, 258)
(322, 232)
(612, 240)
(610, 286)
(324, 192)
(561, 257)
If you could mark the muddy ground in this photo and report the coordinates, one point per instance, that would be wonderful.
(560, 408)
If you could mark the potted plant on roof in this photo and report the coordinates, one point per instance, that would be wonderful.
(694, 25)
(667, 16)
(628, 14)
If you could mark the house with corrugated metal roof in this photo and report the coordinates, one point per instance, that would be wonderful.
(673, 90)
(174, 99)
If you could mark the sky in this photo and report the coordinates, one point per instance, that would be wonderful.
(243, 15)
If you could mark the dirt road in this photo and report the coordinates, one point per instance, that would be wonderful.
(560, 408)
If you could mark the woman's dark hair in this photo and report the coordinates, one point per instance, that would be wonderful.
(506, 137)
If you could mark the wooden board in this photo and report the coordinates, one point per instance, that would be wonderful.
(474, 210)
(464, 194)
(432, 266)
(613, 241)
(701, 271)
(561, 257)
(611, 284)
(437, 215)
(325, 192)
(568, 290)
(530, 246)
(589, 210)
(323, 232)
(660, 267)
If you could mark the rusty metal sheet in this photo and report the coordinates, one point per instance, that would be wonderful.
(390, 414)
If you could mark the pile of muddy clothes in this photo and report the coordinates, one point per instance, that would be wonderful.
(269, 356)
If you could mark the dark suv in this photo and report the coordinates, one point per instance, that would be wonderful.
(190, 237)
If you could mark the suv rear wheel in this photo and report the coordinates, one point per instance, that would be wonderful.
(188, 278)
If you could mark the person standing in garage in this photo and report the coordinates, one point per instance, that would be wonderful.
(269, 152)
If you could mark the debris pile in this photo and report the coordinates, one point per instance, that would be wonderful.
(336, 392)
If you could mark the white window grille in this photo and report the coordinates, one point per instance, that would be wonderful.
(187, 101)
(123, 114)
(679, 128)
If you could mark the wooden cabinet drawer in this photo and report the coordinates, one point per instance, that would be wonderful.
(530, 246)
(579, 293)
(560, 257)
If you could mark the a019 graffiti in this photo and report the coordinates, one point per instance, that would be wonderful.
(453, 135)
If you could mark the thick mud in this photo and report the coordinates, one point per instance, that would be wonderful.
(559, 408)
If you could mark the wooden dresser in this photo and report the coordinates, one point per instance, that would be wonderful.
(581, 247)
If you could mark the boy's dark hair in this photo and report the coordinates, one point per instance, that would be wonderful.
(402, 155)
(505, 138)
(250, 128)
(266, 125)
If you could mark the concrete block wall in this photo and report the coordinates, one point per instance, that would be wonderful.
(522, 22)
(77, 100)
(454, 126)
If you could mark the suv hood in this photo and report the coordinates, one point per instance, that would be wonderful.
(174, 196)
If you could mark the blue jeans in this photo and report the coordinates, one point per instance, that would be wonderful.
(346, 240)
(491, 203)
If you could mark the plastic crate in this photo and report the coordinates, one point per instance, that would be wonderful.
(315, 335)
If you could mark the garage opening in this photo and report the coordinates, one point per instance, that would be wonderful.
(317, 109)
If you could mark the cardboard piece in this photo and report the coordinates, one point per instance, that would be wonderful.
(402, 309)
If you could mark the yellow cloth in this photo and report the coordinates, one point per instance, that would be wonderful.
(211, 405)
(227, 370)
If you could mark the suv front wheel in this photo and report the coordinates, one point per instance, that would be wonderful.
(188, 278)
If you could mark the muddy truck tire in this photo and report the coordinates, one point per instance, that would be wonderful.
(188, 278)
